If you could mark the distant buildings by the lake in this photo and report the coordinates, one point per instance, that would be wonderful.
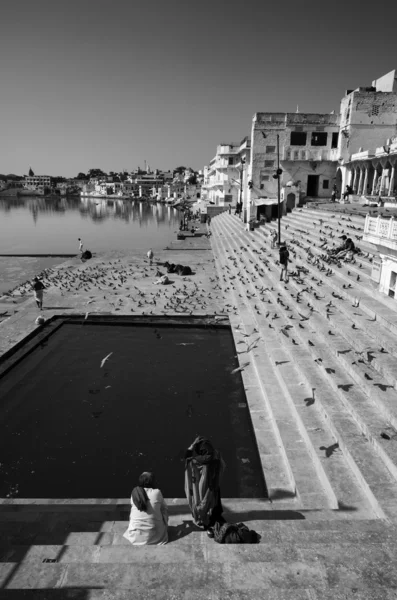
(140, 183)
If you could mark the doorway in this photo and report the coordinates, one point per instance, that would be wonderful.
(312, 185)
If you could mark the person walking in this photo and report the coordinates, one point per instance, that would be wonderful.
(209, 220)
(149, 514)
(284, 257)
(273, 239)
(230, 209)
(80, 244)
(204, 467)
(38, 288)
(150, 256)
(334, 192)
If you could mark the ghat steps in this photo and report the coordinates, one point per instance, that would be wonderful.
(312, 347)
(69, 552)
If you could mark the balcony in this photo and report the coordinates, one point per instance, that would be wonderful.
(381, 232)
(305, 153)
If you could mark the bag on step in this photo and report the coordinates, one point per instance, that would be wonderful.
(229, 533)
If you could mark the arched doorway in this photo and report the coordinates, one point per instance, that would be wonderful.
(338, 183)
(290, 202)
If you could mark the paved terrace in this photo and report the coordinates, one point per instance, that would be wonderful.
(319, 376)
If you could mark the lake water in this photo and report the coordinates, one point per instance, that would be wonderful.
(52, 225)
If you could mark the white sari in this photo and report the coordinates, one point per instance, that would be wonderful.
(150, 526)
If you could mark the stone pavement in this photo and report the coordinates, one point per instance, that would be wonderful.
(320, 392)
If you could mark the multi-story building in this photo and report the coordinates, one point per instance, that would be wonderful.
(224, 179)
(368, 132)
(37, 181)
(306, 146)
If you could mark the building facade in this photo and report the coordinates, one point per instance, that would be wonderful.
(368, 133)
(306, 146)
(225, 178)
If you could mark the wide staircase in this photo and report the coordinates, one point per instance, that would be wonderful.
(319, 366)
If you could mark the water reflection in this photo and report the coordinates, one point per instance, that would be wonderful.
(95, 208)
(33, 224)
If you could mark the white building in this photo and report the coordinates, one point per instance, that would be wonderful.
(224, 179)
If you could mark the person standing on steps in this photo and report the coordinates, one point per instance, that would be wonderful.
(284, 258)
(38, 288)
(273, 239)
(204, 467)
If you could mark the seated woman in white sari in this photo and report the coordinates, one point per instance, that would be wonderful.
(149, 514)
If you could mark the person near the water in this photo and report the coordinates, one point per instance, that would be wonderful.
(38, 288)
(284, 257)
(80, 244)
(149, 514)
(204, 467)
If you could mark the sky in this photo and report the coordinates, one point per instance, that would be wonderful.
(110, 84)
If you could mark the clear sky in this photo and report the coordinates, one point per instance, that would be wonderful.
(107, 84)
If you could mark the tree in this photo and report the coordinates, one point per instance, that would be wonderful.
(179, 170)
(81, 176)
(31, 174)
(96, 173)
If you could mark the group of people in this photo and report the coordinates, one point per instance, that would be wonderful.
(204, 467)
(345, 251)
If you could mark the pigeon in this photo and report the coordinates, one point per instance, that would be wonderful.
(105, 359)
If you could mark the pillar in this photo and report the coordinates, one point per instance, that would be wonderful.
(364, 190)
(360, 181)
(391, 185)
(353, 183)
(375, 181)
(382, 182)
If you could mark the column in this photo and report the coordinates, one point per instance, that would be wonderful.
(353, 183)
(360, 181)
(375, 181)
(364, 190)
(391, 186)
(382, 182)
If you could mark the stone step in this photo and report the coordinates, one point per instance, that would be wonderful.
(353, 325)
(311, 481)
(386, 399)
(348, 424)
(231, 569)
(312, 422)
(376, 305)
(354, 331)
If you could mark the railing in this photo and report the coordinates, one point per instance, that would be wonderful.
(381, 228)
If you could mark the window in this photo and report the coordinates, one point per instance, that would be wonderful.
(288, 155)
(296, 154)
(261, 186)
(319, 138)
(264, 177)
(270, 149)
(303, 154)
(298, 138)
(231, 160)
(375, 111)
(269, 163)
(326, 184)
(335, 138)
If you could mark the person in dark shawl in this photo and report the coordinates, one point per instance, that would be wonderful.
(204, 467)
